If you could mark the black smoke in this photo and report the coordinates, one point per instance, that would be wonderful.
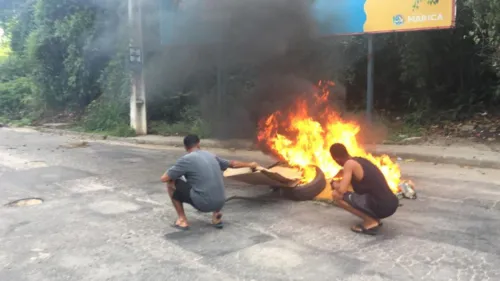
(262, 41)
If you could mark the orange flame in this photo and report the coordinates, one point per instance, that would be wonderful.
(303, 140)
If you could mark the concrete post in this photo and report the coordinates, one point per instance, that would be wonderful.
(138, 117)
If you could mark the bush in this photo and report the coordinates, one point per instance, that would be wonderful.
(110, 112)
(198, 127)
(107, 117)
(13, 67)
(16, 98)
(4, 49)
(190, 122)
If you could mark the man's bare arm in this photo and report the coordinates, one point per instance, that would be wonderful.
(176, 171)
(165, 178)
(343, 185)
(238, 164)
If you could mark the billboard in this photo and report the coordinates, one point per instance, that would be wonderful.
(382, 16)
(333, 17)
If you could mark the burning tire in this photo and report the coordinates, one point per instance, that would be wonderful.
(307, 191)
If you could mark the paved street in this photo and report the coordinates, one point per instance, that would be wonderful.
(105, 216)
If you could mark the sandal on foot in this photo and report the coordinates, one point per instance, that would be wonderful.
(362, 230)
(180, 227)
(219, 224)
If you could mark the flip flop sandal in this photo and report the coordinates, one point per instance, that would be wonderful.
(362, 230)
(183, 228)
(220, 224)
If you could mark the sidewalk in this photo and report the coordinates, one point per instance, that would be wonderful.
(459, 155)
(473, 156)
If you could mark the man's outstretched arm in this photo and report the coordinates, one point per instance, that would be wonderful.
(224, 164)
(238, 164)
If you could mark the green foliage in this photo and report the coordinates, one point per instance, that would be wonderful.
(16, 90)
(110, 112)
(188, 122)
(15, 98)
(486, 34)
(198, 127)
(4, 49)
(107, 117)
(12, 68)
(20, 26)
(60, 48)
(57, 63)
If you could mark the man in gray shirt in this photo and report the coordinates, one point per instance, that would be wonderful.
(196, 179)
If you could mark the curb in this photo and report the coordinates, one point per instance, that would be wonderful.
(238, 144)
(478, 163)
(234, 144)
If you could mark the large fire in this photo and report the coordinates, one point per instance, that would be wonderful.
(303, 140)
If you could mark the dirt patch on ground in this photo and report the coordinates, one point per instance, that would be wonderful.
(482, 132)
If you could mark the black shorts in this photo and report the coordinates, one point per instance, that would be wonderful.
(182, 192)
(360, 202)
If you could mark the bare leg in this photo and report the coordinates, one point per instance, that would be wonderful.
(368, 222)
(181, 216)
(216, 217)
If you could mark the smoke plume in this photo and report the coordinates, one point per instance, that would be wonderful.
(202, 36)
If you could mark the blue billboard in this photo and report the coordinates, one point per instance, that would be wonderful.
(180, 24)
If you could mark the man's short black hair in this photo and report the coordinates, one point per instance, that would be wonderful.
(338, 150)
(191, 141)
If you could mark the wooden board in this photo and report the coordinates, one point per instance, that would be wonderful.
(290, 174)
(276, 176)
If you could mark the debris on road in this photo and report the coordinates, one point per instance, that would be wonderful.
(407, 190)
(78, 144)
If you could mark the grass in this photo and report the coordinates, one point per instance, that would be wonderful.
(197, 127)
(404, 131)
(15, 123)
(156, 127)
(120, 131)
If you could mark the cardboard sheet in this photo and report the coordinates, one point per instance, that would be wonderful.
(276, 176)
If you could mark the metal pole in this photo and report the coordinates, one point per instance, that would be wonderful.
(369, 82)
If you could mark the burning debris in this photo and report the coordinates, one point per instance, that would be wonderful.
(407, 190)
(301, 137)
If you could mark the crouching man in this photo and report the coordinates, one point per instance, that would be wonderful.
(196, 179)
(372, 199)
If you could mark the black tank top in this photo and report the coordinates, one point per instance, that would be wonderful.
(381, 199)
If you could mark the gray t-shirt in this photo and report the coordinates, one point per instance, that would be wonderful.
(202, 171)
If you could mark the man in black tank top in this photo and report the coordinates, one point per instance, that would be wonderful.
(372, 199)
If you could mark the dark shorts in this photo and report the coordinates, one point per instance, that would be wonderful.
(182, 192)
(360, 202)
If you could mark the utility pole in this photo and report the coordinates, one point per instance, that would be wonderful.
(138, 117)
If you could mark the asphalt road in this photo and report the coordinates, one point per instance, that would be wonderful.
(105, 216)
